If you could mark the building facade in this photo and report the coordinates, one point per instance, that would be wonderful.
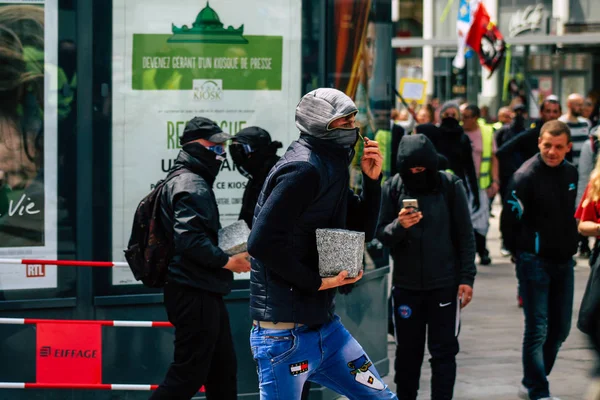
(553, 50)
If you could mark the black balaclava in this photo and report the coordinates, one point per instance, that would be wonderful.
(211, 160)
(250, 150)
(418, 151)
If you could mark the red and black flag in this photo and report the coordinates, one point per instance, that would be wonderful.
(486, 40)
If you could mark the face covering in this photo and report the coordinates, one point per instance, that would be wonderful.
(212, 157)
(343, 137)
(240, 153)
(422, 182)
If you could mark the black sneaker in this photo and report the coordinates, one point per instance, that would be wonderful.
(485, 260)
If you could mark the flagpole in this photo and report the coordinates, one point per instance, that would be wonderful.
(404, 103)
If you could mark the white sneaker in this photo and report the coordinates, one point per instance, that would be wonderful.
(523, 393)
(550, 398)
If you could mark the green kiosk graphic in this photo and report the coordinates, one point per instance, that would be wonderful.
(206, 51)
(207, 28)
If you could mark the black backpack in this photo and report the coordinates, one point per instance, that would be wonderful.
(150, 249)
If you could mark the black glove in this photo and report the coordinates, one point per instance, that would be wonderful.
(346, 289)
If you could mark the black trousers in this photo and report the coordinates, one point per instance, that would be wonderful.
(481, 244)
(416, 312)
(204, 352)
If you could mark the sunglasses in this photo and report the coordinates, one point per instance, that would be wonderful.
(219, 149)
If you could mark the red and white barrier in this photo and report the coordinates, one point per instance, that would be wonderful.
(74, 333)
(98, 386)
(131, 324)
(65, 263)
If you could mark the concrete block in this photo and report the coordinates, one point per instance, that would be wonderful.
(339, 250)
(233, 239)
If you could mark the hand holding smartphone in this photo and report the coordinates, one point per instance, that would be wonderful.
(410, 214)
(411, 204)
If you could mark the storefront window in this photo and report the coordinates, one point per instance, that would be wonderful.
(37, 108)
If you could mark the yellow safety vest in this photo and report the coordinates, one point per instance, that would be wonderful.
(485, 170)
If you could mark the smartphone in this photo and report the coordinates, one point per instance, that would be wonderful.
(411, 204)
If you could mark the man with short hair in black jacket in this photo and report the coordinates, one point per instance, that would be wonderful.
(296, 334)
(433, 248)
(200, 273)
(540, 231)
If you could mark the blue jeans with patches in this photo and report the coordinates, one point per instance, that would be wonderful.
(327, 355)
(547, 290)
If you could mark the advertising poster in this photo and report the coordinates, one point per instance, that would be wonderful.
(237, 63)
(28, 141)
(361, 67)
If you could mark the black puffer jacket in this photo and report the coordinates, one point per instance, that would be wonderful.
(190, 213)
(307, 189)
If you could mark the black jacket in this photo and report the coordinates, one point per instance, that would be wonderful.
(307, 189)
(451, 141)
(439, 251)
(509, 161)
(253, 188)
(523, 146)
(537, 216)
(190, 213)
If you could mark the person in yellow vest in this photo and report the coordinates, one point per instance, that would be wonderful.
(486, 167)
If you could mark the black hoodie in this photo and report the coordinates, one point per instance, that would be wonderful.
(439, 251)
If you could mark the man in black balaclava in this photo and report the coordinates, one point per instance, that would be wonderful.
(200, 273)
(433, 248)
(254, 154)
(451, 142)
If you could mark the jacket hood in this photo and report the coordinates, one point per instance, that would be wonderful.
(318, 108)
(416, 151)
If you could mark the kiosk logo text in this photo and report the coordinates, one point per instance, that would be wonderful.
(208, 89)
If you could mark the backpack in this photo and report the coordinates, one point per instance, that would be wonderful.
(150, 249)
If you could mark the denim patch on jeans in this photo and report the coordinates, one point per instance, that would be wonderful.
(327, 355)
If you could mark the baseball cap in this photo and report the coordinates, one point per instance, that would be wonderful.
(203, 128)
(254, 136)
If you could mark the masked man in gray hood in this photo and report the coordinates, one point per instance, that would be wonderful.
(296, 334)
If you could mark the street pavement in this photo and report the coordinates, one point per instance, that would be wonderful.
(489, 362)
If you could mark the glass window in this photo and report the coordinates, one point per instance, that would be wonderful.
(37, 147)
